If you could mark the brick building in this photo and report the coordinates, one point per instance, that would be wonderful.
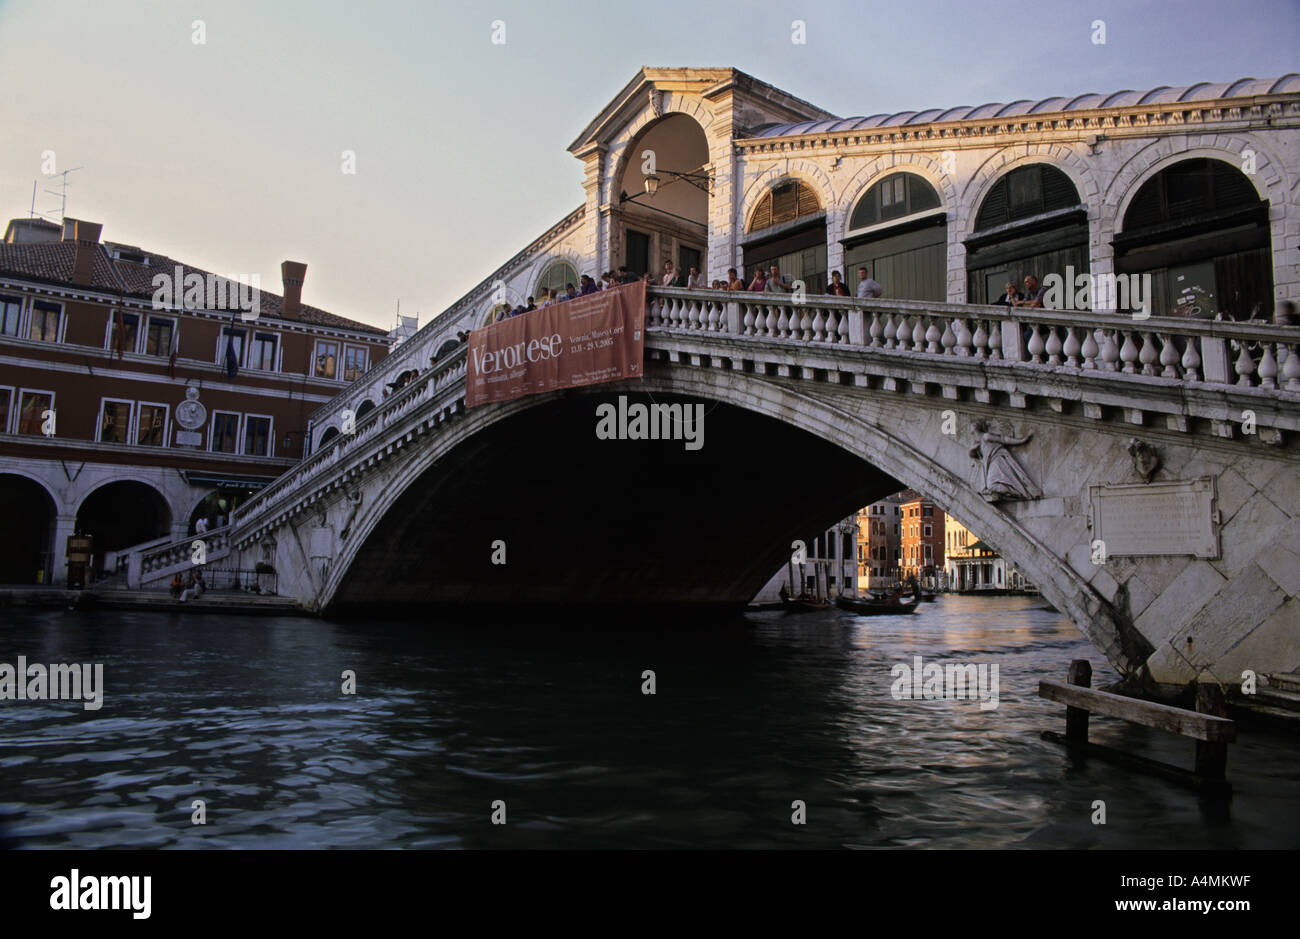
(138, 393)
(921, 540)
(879, 544)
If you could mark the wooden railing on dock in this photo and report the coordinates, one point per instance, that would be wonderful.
(1207, 725)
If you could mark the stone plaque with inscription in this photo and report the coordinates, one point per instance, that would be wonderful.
(188, 438)
(1166, 518)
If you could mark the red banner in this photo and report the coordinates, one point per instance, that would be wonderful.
(585, 341)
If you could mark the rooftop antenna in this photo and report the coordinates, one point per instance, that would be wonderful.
(62, 193)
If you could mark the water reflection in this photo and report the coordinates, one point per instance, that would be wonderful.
(247, 715)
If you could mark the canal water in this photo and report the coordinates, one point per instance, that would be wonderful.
(247, 715)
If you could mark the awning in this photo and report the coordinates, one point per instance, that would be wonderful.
(226, 482)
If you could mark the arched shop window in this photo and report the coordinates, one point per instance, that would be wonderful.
(1200, 230)
(788, 228)
(1031, 222)
(556, 277)
(897, 233)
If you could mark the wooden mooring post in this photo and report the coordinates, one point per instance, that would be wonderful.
(1208, 725)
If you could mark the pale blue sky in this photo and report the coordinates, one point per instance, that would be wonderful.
(228, 154)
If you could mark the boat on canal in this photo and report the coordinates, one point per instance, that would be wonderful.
(893, 604)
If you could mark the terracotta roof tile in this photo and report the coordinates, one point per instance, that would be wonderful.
(52, 262)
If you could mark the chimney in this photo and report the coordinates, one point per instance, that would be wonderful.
(292, 273)
(86, 236)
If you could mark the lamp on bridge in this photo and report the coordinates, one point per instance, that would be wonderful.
(699, 180)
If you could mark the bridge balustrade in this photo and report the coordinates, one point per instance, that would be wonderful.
(1207, 353)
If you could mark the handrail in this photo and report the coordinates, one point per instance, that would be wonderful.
(365, 424)
(1109, 345)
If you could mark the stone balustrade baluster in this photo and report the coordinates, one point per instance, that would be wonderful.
(692, 314)
(903, 332)
(980, 340)
(1148, 356)
(805, 324)
(1168, 356)
(891, 331)
(833, 326)
(1291, 369)
(932, 337)
(949, 338)
(1053, 346)
(995, 340)
(963, 337)
(1244, 365)
(771, 323)
(1071, 348)
(783, 324)
(1036, 345)
(749, 320)
(819, 327)
(876, 330)
(1267, 368)
(1128, 353)
(918, 335)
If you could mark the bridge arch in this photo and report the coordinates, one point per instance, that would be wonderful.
(875, 448)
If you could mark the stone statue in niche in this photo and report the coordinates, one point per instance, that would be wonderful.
(354, 499)
(1001, 477)
(1145, 459)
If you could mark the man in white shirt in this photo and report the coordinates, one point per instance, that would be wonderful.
(867, 288)
(695, 278)
(776, 281)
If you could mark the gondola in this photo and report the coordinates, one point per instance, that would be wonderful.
(891, 605)
(804, 605)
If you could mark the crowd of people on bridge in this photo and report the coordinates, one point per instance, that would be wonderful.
(769, 280)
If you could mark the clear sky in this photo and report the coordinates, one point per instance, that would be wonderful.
(228, 154)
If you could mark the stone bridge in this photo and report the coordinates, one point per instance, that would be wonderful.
(1143, 473)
